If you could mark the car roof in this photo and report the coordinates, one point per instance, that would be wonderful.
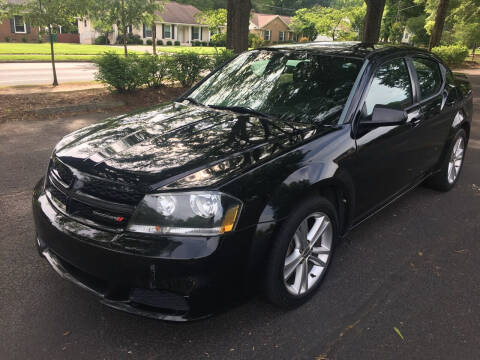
(350, 49)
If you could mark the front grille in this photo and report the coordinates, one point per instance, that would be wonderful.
(105, 203)
(103, 217)
(119, 193)
(62, 171)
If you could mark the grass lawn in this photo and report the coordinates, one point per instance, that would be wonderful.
(202, 50)
(60, 49)
(29, 57)
(79, 52)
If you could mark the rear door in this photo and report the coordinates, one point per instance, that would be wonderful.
(437, 106)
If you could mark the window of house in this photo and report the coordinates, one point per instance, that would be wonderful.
(391, 87)
(428, 75)
(20, 26)
(266, 35)
(195, 33)
(167, 31)
(148, 31)
(281, 36)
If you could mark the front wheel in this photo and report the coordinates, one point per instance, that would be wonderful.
(301, 253)
(448, 175)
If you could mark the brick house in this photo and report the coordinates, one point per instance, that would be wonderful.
(177, 23)
(272, 28)
(15, 29)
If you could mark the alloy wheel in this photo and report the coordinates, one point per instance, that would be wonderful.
(456, 160)
(308, 253)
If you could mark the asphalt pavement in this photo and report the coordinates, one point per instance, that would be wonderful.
(404, 285)
(41, 73)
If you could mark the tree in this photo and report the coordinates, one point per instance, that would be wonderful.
(303, 24)
(416, 26)
(103, 27)
(214, 19)
(396, 32)
(50, 15)
(3, 10)
(437, 30)
(156, 7)
(467, 24)
(124, 13)
(238, 19)
(372, 21)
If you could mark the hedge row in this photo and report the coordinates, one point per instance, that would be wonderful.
(452, 54)
(128, 73)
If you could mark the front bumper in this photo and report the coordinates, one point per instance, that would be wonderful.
(167, 278)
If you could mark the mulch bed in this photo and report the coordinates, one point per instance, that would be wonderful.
(53, 105)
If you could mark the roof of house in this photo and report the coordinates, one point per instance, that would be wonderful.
(260, 20)
(176, 13)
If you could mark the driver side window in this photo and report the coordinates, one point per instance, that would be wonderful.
(391, 87)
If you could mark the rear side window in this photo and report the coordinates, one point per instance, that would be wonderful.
(391, 87)
(429, 76)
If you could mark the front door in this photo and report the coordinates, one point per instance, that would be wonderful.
(387, 162)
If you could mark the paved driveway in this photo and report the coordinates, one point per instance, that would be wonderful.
(41, 73)
(415, 266)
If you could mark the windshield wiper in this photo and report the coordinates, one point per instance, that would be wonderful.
(241, 109)
(193, 101)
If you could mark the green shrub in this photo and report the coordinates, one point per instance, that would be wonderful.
(159, 42)
(221, 57)
(204, 43)
(102, 40)
(40, 39)
(131, 39)
(219, 40)
(452, 54)
(177, 43)
(254, 41)
(149, 42)
(119, 72)
(7, 38)
(155, 68)
(169, 43)
(197, 43)
(24, 39)
(186, 67)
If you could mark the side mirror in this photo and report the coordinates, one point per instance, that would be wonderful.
(385, 116)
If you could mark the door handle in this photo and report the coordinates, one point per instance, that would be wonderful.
(415, 118)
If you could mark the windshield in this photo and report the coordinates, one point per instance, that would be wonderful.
(300, 86)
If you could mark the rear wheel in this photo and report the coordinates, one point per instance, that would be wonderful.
(448, 175)
(301, 253)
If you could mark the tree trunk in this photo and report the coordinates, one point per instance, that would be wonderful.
(154, 38)
(125, 39)
(124, 27)
(52, 53)
(439, 22)
(372, 21)
(238, 19)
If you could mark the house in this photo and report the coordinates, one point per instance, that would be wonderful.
(15, 29)
(272, 28)
(177, 22)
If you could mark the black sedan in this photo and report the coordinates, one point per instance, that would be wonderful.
(251, 178)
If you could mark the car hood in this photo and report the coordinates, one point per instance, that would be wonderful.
(179, 145)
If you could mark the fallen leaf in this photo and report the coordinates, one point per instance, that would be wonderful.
(398, 332)
(66, 333)
(420, 253)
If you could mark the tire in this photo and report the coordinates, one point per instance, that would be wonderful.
(447, 177)
(289, 291)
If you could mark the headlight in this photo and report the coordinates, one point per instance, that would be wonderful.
(205, 213)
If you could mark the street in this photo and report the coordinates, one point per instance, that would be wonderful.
(41, 73)
(403, 285)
